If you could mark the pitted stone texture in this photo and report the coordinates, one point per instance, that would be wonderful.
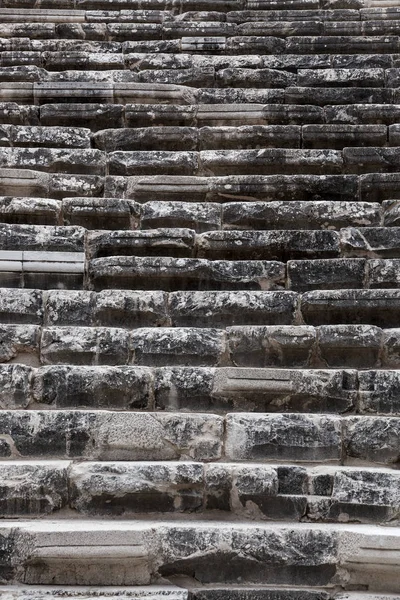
(198, 309)
(66, 386)
(123, 488)
(107, 435)
(170, 274)
(311, 438)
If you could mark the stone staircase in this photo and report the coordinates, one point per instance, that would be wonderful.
(200, 299)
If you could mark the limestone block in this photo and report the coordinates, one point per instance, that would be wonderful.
(282, 28)
(321, 96)
(20, 344)
(54, 160)
(156, 242)
(51, 239)
(379, 392)
(299, 215)
(372, 439)
(257, 554)
(105, 435)
(147, 138)
(356, 346)
(177, 346)
(55, 137)
(101, 213)
(338, 136)
(271, 346)
(15, 385)
(269, 245)
(91, 115)
(155, 115)
(277, 390)
(186, 388)
(35, 211)
(373, 307)
(33, 489)
(363, 113)
(130, 309)
(168, 273)
(270, 161)
(249, 137)
(193, 215)
(336, 273)
(374, 242)
(15, 114)
(383, 273)
(196, 309)
(21, 306)
(124, 488)
(332, 44)
(153, 162)
(311, 438)
(254, 78)
(375, 187)
(84, 346)
(64, 386)
(367, 160)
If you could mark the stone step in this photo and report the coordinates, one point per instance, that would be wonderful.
(80, 91)
(226, 337)
(115, 435)
(100, 117)
(191, 389)
(276, 554)
(150, 592)
(206, 163)
(189, 334)
(246, 490)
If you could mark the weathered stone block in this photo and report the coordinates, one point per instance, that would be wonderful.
(65, 386)
(291, 437)
(84, 346)
(271, 346)
(158, 242)
(124, 488)
(336, 273)
(200, 309)
(356, 346)
(178, 346)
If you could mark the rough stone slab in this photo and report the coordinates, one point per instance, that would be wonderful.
(270, 161)
(271, 346)
(20, 343)
(282, 437)
(372, 439)
(84, 346)
(54, 160)
(104, 435)
(125, 488)
(374, 242)
(234, 187)
(269, 245)
(356, 346)
(299, 215)
(178, 346)
(379, 392)
(35, 211)
(192, 215)
(201, 309)
(338, 136)
(51, 239)
(53, 137)
(167, 273)
(277, 390)
(101, 213)
(335, 273)
(156, 242)
(91, 115)
(66, 386)
(374, 307)
(21, 306)
(322, 96)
